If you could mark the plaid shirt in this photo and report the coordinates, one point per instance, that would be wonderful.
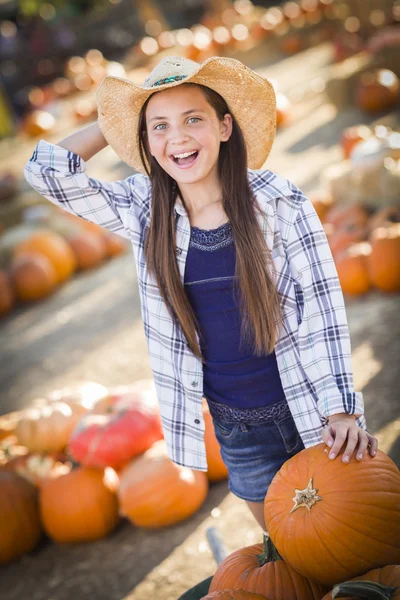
(313, 350)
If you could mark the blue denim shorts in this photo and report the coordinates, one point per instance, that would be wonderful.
(254, 451)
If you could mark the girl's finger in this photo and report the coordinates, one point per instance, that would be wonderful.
(327, 436)
(340, 433)
(364, 441)
(373, 444)
(352, 441)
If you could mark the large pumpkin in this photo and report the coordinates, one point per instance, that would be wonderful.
(260, 569)
(19, 517)
(377, 584)
(79, 506)
(156, 492)
(119, 428)
(54, 247)
(384, 260)
(216, 469)
(332, 521)
(237, 594)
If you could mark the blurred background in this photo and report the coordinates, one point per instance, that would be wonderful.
(70, 320)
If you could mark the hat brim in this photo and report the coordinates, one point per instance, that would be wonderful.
(250, 98)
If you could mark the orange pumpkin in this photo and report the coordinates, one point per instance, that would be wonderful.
(384, 260)
(79, 506)
(236, 594)
(352, 268)
(7, 297)
(19, 517)
(47, 428)
(216, 467)
(156, 492)
(261, 570)
(34, 276)
(385, 582)
(55, 248)
(332, 521)
(89, 249)
(377, 90)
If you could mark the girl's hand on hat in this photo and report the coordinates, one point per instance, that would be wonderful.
(343, 428)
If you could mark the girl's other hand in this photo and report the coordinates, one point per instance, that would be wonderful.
(342, 428)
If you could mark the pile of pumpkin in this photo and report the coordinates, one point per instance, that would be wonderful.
(39, 255)
(75, 462)
(365, 245)
(330, 524)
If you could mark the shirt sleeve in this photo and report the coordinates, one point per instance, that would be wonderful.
(323, 335)
(59, 175)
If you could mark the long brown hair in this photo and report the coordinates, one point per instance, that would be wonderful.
(255, 287)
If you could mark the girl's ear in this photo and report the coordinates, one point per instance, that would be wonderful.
(226, 127)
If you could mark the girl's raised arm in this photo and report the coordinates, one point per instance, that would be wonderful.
(86, 142)
(57, 172)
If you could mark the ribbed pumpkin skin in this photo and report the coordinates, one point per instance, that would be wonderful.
(389, 575)
(78, 507)
(156, 492)
(276, 579)
(354, 528)
(234, 595)
(19, 517)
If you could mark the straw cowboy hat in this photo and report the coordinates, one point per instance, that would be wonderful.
(250, 97)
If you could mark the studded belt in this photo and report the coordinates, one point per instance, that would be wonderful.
(262, 414)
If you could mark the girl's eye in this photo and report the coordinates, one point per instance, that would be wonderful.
(161, 126)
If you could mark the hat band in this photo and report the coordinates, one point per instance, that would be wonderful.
(169, 79)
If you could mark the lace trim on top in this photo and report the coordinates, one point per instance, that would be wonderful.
(211, 239)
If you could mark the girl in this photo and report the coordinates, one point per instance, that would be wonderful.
(239, 294)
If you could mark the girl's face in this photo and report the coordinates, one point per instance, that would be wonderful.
(180, 121)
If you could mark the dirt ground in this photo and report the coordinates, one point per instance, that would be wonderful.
(92, 330)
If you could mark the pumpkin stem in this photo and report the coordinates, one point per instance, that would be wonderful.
(307, 497)
(366, 590)
(269, 553)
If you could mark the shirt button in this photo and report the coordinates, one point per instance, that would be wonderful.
(178, 251)
(194, 383)
(197, 421)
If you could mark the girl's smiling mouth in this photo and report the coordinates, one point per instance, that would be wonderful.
(185, 160)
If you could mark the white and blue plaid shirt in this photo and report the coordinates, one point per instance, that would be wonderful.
(313, 350)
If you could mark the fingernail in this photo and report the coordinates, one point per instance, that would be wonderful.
(332, 455)
(373, 452)
(330, 443)
(359, 456)
(345, 459)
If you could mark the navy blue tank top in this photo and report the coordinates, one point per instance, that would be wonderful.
(232, 375)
